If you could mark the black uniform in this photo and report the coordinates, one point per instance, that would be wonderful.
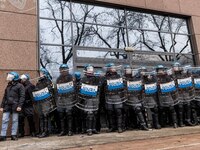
(65, 101)
(88, 102)
(167, 98)
(114, 97)
(150, 97)
(185, 95)
(45, 104)
(134, 98)
(27, 110)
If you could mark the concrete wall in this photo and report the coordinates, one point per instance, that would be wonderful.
(18, 39)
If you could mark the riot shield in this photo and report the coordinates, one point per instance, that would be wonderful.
(44, 102)
(66, 95)
(88, 97)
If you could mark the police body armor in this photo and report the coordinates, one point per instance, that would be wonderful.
(185, 87)
(150, 90)
(88, 94)
(114, 90)
(166, 91)
(134, 91)
(43, 97)
(65, 92)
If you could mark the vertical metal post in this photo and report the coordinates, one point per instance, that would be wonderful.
(170, 29)
(127, 36)
(72, 35)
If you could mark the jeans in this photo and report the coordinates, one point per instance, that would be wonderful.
(5, 121)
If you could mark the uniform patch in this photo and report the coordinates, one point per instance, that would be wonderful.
(185, 83)
(168, 87)
(197, 82)
(150, 88)
(115, 84)
(64, 88)
(41, 94)
(134, 85)
(88, 90)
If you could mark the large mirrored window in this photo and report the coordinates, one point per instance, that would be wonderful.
(65, 25)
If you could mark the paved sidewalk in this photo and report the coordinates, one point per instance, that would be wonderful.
(77, 141)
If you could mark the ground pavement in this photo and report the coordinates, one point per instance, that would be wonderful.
(186, 138)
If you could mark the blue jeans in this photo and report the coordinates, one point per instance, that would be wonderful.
(5, 121)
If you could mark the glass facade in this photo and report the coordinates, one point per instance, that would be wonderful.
(65, 25)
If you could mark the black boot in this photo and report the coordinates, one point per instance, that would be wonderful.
(188, 116)
(31, 123)
(2, 138)
(119, 120)
(14, 138)
(46, 130)
(174, 118)
(89, 124)
(111, 121)
(195, 118)
(89, 132)
(142, 121)
(63, 132)
(62, 123)
(21, 125)
(155, 121)
(94, 123)
(70, 122)
(180, 115)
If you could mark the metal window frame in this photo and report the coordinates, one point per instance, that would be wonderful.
(74, 47)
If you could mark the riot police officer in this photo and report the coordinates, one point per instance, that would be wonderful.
(134, 94)
(166, 94)
(149, 97)
(66, 99)
(195, 104)
(44, 101)
(185, 94)
(27, 109)
(114, 90)
(88, 98)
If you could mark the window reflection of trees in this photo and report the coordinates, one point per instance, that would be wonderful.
(95, 26)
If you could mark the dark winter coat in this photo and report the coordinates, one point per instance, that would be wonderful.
(28, 103)
(14, 97)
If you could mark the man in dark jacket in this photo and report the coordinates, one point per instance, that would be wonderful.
(27, 109)
(12, 104)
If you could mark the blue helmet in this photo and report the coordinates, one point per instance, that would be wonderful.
(127, 66)
(64, 66)
(15, 74)
(176, 64)
(28, 76)
(128, 69)
(98, 73)
(160, 67)
(110, 65)
(77, 75)
(86, 66)
(25, 77)
(46, 73)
